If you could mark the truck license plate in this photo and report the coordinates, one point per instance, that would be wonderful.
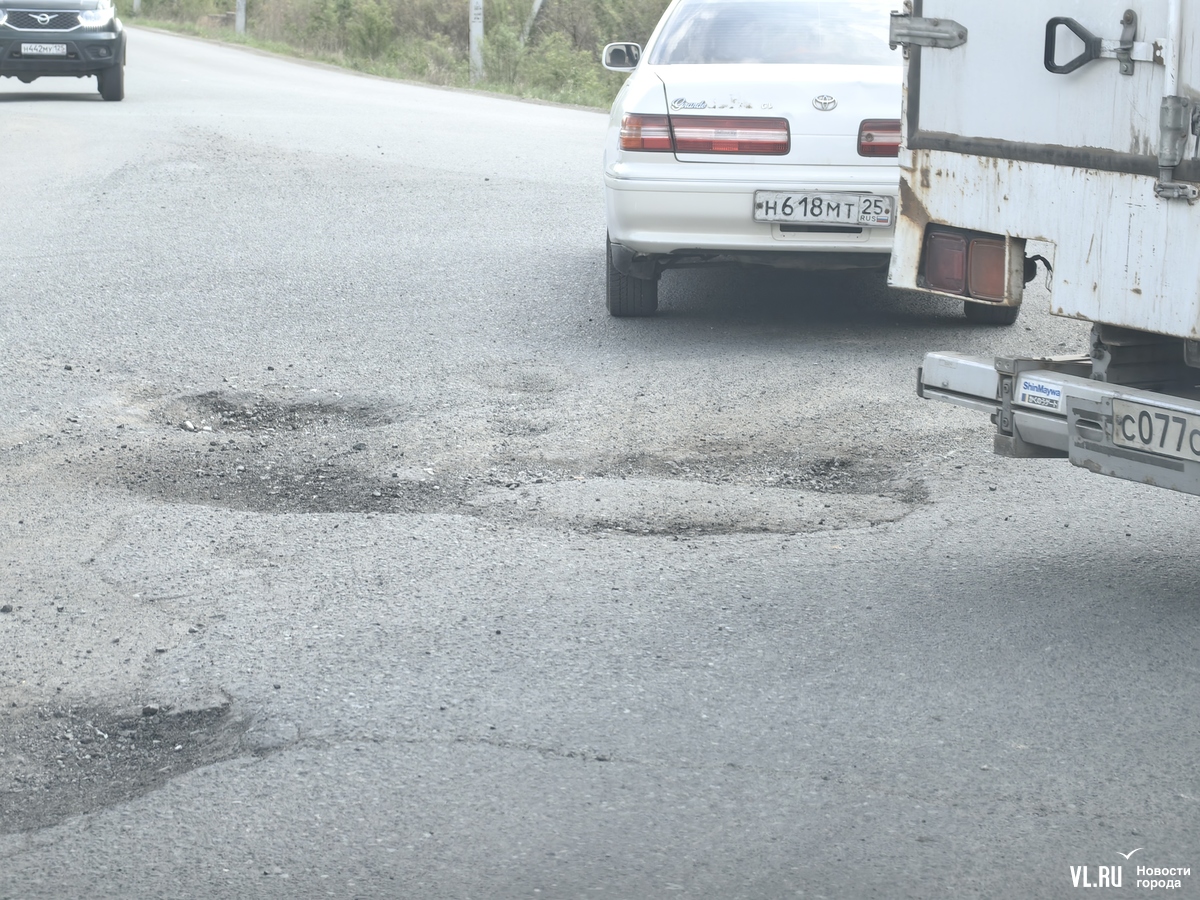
(1156, 429)
(870, 210)
(43, 49)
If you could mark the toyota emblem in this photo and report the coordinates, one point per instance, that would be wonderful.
(824, 102)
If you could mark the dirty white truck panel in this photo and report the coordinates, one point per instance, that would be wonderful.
(997, 142)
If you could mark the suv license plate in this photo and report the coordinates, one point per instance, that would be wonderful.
(1156, 429)
(871, 210)
(43, 49)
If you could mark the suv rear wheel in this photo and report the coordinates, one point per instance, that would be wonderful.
(626, 295)
(112, 82)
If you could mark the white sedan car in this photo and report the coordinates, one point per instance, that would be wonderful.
(760, 132)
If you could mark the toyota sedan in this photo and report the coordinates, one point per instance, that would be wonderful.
(760, 132)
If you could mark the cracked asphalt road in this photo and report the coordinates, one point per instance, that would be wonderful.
(349, 549)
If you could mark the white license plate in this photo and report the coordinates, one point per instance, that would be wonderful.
(804, 208)
(1156, 429)
(43, 49)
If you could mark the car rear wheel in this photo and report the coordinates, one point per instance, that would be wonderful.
(629, 296)
(984, 314)
(112, 82)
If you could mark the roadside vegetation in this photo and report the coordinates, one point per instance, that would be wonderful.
(427, 40)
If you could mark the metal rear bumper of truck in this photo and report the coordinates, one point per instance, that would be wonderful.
(1051, 407)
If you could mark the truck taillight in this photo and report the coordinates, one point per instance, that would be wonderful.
(966, 263)
(879, 137)
(731, 134)
(646, 133)
(946, 262)
(987, 269)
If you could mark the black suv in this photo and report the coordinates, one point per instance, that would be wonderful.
(63, 37)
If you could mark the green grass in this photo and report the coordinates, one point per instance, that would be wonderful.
(426, 40)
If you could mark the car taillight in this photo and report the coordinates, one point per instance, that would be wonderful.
(879, 137)
(966, 263)
(646, 133)
(730, 134)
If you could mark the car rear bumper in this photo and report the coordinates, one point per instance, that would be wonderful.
(663, 216)
(87, 52)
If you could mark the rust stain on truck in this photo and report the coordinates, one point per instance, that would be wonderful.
(910, 204)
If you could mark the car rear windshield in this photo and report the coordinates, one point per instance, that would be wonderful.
(846, 32)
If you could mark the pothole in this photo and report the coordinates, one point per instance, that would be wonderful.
(324, 455)
(233, 412)
(655, 506)
(845, 475)
(282, 488)
(62, 762)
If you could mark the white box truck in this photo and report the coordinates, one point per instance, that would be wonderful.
(1071, 122)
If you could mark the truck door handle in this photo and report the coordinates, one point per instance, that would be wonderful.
(1091, 45)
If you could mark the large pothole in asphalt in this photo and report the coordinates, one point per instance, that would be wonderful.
(63, 762)
(325, 455)
(667, 507)
(239, 413)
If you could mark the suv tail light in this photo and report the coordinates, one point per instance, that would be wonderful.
(966, 263)
(731, 134)
(879, 137)
(646, 133)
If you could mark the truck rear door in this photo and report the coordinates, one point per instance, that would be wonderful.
(1046, 120)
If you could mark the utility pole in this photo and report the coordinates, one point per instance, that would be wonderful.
(476, 45)
(240, 20)
(537, 7)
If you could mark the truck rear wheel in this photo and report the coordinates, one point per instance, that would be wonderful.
(986, 314)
